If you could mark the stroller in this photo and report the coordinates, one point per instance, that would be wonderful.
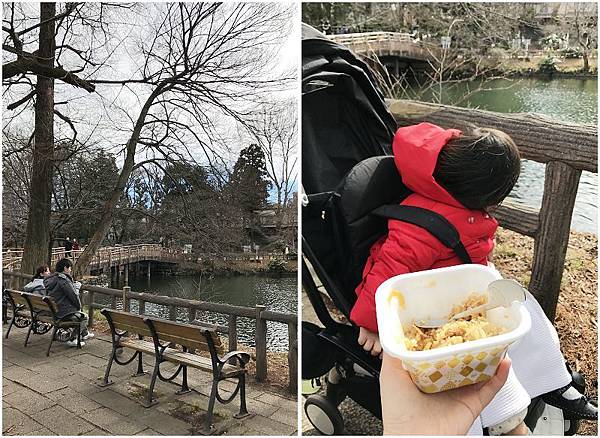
(351, 186)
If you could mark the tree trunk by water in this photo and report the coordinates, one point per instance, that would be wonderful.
(37, 240)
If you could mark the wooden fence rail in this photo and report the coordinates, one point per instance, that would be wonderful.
(565, 148)
(16, 280)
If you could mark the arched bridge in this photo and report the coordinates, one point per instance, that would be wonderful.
(397, 51)
(105, 258)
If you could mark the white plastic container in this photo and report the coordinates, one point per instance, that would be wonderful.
(432, 294)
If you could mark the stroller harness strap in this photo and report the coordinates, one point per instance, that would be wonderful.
(431, 221)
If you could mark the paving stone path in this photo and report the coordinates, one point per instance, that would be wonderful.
(59, 395)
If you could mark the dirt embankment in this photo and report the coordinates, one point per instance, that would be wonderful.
(227, 268)
(577, 310)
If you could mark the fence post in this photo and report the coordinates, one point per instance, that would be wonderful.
(232, 332)
(550, 246)
(141, 307)
(126, 290)
(293, 355)
(191, 314)
(173, 312)
(90, 308)
(261, 345)
(113, 302)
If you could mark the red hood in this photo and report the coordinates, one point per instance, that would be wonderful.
(416, 149)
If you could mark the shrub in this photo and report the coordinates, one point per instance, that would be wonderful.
(571, 52)
(548, 64)
(276, 265)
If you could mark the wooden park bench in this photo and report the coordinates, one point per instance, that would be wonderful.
(39, 313)
(165, 337)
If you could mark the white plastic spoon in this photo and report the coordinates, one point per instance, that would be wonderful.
(500, 293)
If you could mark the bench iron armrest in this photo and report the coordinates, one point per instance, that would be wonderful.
(242, 357)
(80, 316)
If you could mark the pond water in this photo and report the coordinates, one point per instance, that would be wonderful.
(573, 100)
(277, 294)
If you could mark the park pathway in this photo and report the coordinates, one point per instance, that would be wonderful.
(59, 395)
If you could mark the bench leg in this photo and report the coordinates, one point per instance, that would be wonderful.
(54, 330)
(243, 410)
(106, 382)
(149, 401)
(29, 333)
(184, 382)
(140, 369)
(211, 406)
(12, 322)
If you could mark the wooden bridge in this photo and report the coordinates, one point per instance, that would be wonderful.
(395, 50)
(106, 257)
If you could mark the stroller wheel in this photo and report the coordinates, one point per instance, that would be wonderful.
(323, 415)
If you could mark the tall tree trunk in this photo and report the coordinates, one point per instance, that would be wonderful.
(108, 210)
(40, 194)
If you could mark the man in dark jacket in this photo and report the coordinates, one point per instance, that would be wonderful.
(68, 247)
(65, 292)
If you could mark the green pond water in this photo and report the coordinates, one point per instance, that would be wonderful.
(573, 100)
(277, 294)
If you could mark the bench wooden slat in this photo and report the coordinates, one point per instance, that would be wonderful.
(176, 356)
(186, 335)
(203, 363)
(18, 298)
(130, 323)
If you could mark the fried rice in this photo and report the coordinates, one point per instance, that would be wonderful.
(454, 332)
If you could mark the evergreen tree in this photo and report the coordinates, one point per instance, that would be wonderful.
(249, 185)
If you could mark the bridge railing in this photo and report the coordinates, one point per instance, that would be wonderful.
(122, 299)
(11, 257)
(386, 44)
(370, 37)
(565, 148)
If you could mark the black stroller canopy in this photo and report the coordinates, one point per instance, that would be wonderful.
(344, 117)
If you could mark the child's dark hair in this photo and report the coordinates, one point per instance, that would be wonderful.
(39, 272)
(479, 169)
(62, 264)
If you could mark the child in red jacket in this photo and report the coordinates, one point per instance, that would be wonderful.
(459, 176)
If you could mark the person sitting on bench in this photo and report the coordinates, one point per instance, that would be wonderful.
(65, 292)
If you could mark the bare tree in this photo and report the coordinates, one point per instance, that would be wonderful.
(585, 25)
(205, 62)
(276, 130)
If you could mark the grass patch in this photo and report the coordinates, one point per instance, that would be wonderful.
(194, 416)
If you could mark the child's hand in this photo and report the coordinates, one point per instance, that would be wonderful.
(369, 341)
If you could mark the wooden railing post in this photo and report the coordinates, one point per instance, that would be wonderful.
(560, 189)
(90, 296)
(141, 307)
(191, 314)
(232, 332)
(260, 338)
(126, 290)
(173, 312)
(293, 355)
